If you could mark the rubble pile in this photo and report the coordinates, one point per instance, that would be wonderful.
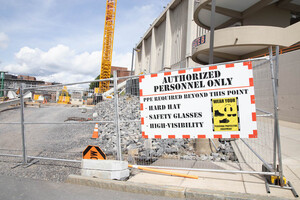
(131, 137)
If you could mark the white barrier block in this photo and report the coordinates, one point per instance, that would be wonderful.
(106, 165)
(112, 175)
(106, 169)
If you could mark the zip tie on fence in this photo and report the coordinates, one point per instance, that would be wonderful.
(163, 172)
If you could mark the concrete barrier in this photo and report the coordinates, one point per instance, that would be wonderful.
(105, 169)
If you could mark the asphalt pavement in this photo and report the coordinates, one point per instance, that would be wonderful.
(13, 188)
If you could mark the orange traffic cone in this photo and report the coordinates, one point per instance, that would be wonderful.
(95, 133)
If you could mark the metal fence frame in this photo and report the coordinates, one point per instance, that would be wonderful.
(273, 169)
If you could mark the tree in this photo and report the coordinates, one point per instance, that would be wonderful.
(96, 84)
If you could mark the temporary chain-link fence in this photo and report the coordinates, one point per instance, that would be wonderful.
(60, 125)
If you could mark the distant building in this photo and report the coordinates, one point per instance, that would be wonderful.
(121, 72)
(13, 82)
(28, 78)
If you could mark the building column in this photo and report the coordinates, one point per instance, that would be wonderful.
(152, 66)
(137, 61)
(143, 58)
(190, 26)
(167, 44)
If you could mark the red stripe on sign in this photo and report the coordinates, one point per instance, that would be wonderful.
(142, 121)
(202, 136)
(197, 70)
(186, 136)
(254, 135)
(249, 64)
(141, 78)
(252, 99)
(167, 73)
(142, 106)
(251, 82)
(254, 116)
(213, 67)
(141, 92)
(229, 65)
(157, 136)
(181, 71)
(144, 135)
(217, 136)
(153, 75)
(171, 136)
(235, 136)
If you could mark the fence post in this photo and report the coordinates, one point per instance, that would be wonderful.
(22, 124)
(276, 125)
(117, 125)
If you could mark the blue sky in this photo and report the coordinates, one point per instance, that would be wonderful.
(61, 41)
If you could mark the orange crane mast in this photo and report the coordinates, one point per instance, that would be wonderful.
(108, 40)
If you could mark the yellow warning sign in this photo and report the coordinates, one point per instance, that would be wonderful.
(94, 153)
(225, 114)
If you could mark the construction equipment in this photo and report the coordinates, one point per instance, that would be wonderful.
(108, 39)
(64, 97)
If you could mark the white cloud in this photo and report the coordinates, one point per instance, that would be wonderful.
(3, 40)
(66, 77)
(122, 60)
(62, 64)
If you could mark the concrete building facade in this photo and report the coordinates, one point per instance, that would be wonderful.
(179, 38)
(243, 29)
(246, 28)
(167, 43)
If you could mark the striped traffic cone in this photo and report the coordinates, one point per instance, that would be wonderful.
(95, 133)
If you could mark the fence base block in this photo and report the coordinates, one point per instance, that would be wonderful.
(105, 169)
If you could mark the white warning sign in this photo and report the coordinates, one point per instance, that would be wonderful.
(210, 102)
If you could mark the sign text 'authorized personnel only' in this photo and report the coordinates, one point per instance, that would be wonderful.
(210, 102)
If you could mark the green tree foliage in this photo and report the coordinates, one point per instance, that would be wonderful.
(95, 84)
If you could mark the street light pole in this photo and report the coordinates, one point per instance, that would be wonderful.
(131, 70)
(132, 57)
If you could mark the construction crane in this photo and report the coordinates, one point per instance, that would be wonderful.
(108, 40)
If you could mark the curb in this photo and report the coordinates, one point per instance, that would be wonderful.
(167, 191)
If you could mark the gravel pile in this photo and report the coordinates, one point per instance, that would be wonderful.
(131, 139)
